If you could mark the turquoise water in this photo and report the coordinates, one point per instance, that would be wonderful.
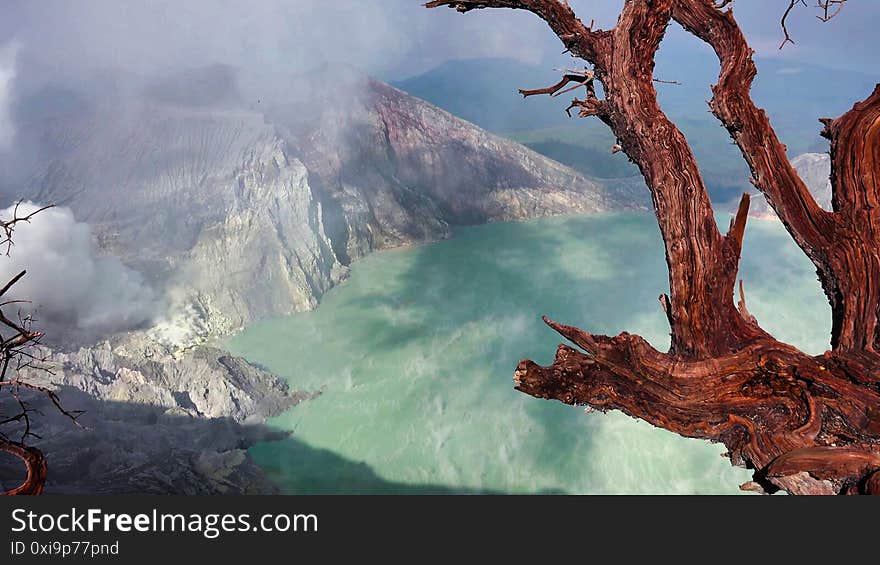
(415, 355)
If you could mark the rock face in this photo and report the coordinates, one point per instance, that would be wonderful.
(154, 422)
(241, 210)
(401, 171)
(815, 170)
(208, 203)
(201, 382)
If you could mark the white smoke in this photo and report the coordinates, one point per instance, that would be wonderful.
(7, 75)
(67, 283)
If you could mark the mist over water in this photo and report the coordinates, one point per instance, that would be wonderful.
(415, 355)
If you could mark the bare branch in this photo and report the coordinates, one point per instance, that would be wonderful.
(8, 226)
(554, 89)
(15, 358)
(829, 9)
(582, 41)
(11, 282)
(784, 21)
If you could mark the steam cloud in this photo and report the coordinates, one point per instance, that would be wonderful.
(67, 282)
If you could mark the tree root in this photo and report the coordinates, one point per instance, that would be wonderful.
(803, 423)
(35, 464)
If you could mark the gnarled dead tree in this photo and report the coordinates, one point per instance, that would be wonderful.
(17, 341)
(808, 425)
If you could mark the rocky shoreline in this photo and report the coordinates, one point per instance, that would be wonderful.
(155, 421)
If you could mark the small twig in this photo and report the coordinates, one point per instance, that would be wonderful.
(8, 226)
(16, 352)
(784, 22)
(830, 9)
(12, 282)
(741, 305)
(71, 414)
(826, 6)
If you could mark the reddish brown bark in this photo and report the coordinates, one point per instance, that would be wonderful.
(35, 465)
(808, 425)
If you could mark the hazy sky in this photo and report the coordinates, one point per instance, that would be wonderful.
(389, 38)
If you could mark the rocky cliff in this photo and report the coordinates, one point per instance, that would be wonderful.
(237, 207)
(154, 422)
(208, 203)
(397, 170)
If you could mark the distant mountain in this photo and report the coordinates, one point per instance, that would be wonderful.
(485, 92)
(795, 96)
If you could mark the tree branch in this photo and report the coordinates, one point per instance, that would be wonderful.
(14, 356)
(554, 90)
(582, 41)
(702, 264)
(35, 464)
(767, 403)
(855, 137)
(851, 275)
(772, 173)
(8, 226)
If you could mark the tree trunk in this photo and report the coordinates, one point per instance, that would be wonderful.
(35, 464)
(808, 425)
(852, 280)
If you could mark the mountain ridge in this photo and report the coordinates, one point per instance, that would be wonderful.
(294, 192)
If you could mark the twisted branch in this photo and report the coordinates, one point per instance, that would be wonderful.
(805, 424)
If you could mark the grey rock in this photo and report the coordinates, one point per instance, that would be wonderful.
(208, 204)
(154, 422)
(139, 448)
(202, 381)
(400, 171)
